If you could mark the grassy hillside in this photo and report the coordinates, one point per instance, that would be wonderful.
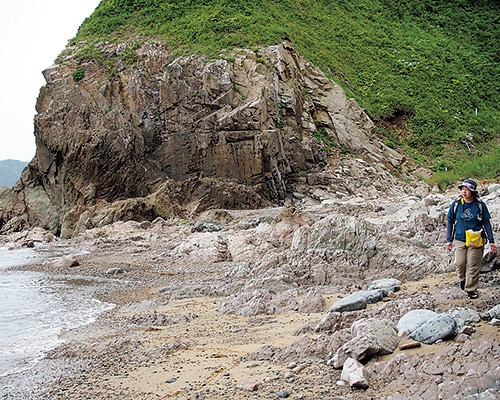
(427, 72)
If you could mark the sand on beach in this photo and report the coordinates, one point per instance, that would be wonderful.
(166, 338)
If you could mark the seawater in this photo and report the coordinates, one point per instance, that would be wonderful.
(35, 309)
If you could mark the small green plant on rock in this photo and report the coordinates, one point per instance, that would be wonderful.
(78, 75)
(322, 138)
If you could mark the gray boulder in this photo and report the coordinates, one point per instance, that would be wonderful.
(370, 337)
(115, 271)
(491, 261)
(492, 189)
(312, 302)
(358, 300)
(373, 296)
(353, 302)
(69, 260)
(493, 313)
(355, 374)
(464, 317)
(388, 284)
(441, 326)
(413, 319)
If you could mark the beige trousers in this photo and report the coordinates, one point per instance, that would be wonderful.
(468, 262)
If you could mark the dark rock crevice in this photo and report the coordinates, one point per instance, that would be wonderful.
(246, 127)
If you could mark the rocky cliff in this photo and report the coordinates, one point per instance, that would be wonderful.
(159, 136)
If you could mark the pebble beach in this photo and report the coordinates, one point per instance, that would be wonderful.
(166, 336)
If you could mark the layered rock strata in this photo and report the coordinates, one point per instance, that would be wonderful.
(161, 136)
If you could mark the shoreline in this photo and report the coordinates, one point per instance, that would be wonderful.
(195, 352)
(166, 337)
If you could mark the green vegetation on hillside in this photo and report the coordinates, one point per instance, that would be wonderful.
(426, 71)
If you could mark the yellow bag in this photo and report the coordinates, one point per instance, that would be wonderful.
(474, 238)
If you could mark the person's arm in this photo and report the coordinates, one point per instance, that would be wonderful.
(489, 235)
(449, 233)
(449, 230)
(488, 230)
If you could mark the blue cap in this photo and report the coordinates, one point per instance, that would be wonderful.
(469, 184)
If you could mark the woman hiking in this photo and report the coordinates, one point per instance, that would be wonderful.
(468, 225)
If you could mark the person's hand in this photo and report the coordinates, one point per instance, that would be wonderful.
(449, 245)
(493, 247)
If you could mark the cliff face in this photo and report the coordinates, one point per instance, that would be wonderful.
(179, 136)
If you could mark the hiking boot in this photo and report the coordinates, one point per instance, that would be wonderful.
(462, 285)
(472, 295)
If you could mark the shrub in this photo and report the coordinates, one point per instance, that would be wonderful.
(78, 75)
(436, 63)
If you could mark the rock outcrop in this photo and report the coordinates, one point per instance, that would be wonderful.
(179, 136)
(232, 275)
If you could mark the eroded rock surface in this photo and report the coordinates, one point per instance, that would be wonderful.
(246, 293)
(178, 137)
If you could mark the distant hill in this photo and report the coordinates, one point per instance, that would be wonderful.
(10, 171)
